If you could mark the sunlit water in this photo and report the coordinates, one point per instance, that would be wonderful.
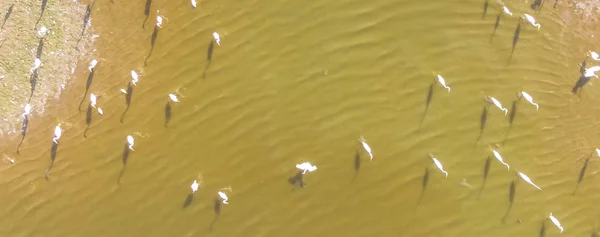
(299, 81)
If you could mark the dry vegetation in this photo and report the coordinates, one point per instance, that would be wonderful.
(19, 42)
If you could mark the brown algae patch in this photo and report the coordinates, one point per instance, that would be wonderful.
(19, 45)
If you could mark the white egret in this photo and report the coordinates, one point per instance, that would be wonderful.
(100, 111)
(159, 21)
(123, 91)
(594, 55)
(531, 20)
(529, 98)
(497, 104)
(306, 166)
(598, 152)
(93, 64)
(57, 134)
(556, 222)
(174, 98)
(223, 197)
(36, 64)
(499, 158)
(438, 164)
(130, 141)
(27, 110)
(366, 146)
(505, 10)
(442, 82)
(217, 38)
(134, 78)
(42, 32)
(528, 180)
(589, 72)
(194, 3)
(93, 100)
(195, 186)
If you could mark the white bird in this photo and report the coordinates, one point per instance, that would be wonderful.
(27, 110)
(93, 64)
(130, 141)
(195, 186)
(529, 99)
(223, 197)
(42, 32)
(528, 180)
(505, 10)
(306, 166)
(36, 64)
(497, 104)
(93, 100)
(556, 222)
(366, 146)
(439, 165)
(100, 111)
(499, 158)
(123, 91)
(194, 3)
(442, 82)
(589, 72)
(217, 38)
(134, 78)
(531, 20)
(57, 134)
(598, 152)
(594, 55)
(173, 97)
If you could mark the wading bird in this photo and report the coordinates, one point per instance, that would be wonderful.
(194, 3)
(497, 104)
(130, 141)
(217, 38)
(528, 98)
(93, 99)
(366, 146)
(26, 111)
(527, 179)
(195, 186)
(531, 20)
(499, 158)
(556, 222)
(594, 55)
(134, 78)
(57, 134)
(505, 10)
(174, 98)
(438, 164)
(93, 64)
(223, 195)
(306, 166)
(36, 64)
(589, 72)
(442, 82)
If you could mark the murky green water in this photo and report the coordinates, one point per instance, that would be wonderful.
(302, 81)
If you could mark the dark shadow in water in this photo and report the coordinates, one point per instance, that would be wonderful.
(297, 179)
(124, 159)
(188, 200)
(555, 7)
(146, 12)
(168, 111)
(582, 174)
(543, 229)
(515, 40)
(356, 164)
(424, 183)
(427, 103)
(495, 26)
(209, 54)
(88, 84)
(44, 3)
(88, 120)
(33, 82)
(486, 3)
(152, 42)
(217, 209)
(40, 48)
(536, 5)
(511, 118)
(52, 159)
(86, 21)
(580, 83)
(482, 121)
(127, 99)
(511, 198)
(7, 15)
(23, 131)
(486, 171)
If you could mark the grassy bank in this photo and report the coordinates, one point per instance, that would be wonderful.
(20, 43)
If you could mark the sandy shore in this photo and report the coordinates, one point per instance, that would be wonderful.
(63, 46)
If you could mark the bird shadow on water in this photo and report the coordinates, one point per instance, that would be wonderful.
(23, 131)
(424, 183)
(127, 100)
(297, 179)
(427, 103)
(543, 229)
(580, 83)
(486, 3)
(152, 42)
(582, 173)
(88, 120)
(188, 200)
(33, 82)
(515, 41)
(217, 209)
(124, 160)
(86, 20)
(44, 3)
(511, 199)
(209, 53)
(486, 171)
(40, 48)
(88, 84)
(511, 119)
(482, 122)
(146, 12)
(537, 6)
(7, 15)
(495, 27)
(53, 151)
(168, 111)
(356, 165)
